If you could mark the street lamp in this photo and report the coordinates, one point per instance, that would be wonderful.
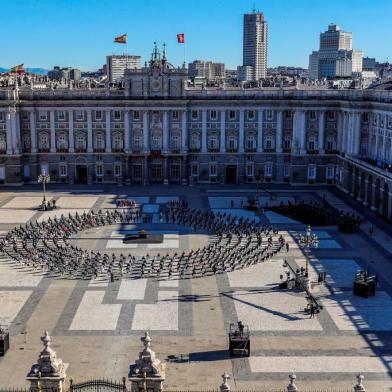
(306, 242)
(44, 179)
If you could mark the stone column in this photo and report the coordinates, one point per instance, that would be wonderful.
(108, 132)
(126, 132)
(146, 136)
(9, 133)
(299, 130)
(89, 131)
(356, 133)
(148, 372)
(241, 131)
(339, 141)
(366, 197)
(52, 132)
(376, 147)
(204, 131)
(71, 139)
(222, 144)
(165, 131)
(260, 145)
(279, 131)
(373, 204)
(321, 132)
(33, 132)
(389, 205)
(49, 373)
(145, 170)
(17, 138)
(303, 132)
(184, 132)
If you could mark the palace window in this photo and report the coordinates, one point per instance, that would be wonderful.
(251, 114)
(137, 171)
(195, 114)
(118, 141)
(249, 169)
(213, 114)
(311, 172)
(136, 115)
(251, 142)
(98, 115)
(311, 143)
(175, 115)
(175, 141)
(213, 170)
(213, 142)
(80, 142)
(286, 171)
(330, 143)
(287, 143)
(232, 141)
(99, 169)
(156, 142)
(194, 169)
(26, 141)
(117, 115)
(232, 114)
(43, 116)
(61, 115)
(270, 115)
(268, 170)
(331, 115)
(269, 143)
(99, 142)
(79, 115)
(138, 142)
(43, 141)
(175, 171)
(312, 115)
(62, 142)
(3, 142)
(330, 174)
(63, 169)
(1, 116)
(195, 141)
(365, 117)
(288, 114)
(364, 149)
(117, 169)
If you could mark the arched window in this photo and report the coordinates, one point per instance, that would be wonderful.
(43, 141)
(3, 142)
(117, 141)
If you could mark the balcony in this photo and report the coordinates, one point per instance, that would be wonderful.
(312, 152)
(287, 150)
(232, 150)
(269, 150)
(250, 149)
(213, 150)
(175, 150)
(155, 153)
(193, 150)
(26, 150)
(62, 150)
(117, 150)
(99, 150)
(43, 150)
(335, 152)
(80, 150)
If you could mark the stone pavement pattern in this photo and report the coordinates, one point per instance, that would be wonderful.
(96, 325)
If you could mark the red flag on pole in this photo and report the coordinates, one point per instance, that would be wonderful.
(122, 39)
(181, 38)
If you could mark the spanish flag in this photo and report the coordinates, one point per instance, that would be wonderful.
(17, 68)
(181, 38)
(122, 39)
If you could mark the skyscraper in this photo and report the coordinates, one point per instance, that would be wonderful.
(255, 45)
(116, 65)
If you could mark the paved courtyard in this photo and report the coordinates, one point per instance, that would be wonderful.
(96, 325)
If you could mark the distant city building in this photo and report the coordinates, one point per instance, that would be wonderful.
(369, 64)
(288, 71)
(69, 73)
(245, 72)
(117, 64)
(255, 46)
(336, 57)
(206, 69)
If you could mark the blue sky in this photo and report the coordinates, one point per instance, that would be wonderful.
(80, 32)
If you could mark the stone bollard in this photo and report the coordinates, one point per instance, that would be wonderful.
(225, 387)
(292, 387)
(147, 373)
(359, 386)
(49, 373)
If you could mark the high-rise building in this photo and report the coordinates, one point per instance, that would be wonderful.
(67, 73)
(255, 45)
(336, 57)
(206, 69)
(117, 64)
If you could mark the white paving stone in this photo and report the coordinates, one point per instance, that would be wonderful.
(317, 364)
(352, 313)
(273, 311)
(57, 213)
(11, 302)
(132, 289)
(162, 316)
(76, 201)
(169, 283)
(260, 275)
(92, 315)
(16, 216)
(13, 276)
(25, 202)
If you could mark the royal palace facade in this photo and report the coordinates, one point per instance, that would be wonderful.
(157, 128)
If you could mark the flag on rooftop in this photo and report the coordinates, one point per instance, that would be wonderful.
(17, 68)
(122, 39)
(181, 38)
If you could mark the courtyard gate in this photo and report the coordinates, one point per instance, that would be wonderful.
(98, 386)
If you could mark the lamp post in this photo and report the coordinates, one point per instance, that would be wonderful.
(306, 242)
(44, 179)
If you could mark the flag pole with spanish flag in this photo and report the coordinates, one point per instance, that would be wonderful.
(122, 39)
(181, 40)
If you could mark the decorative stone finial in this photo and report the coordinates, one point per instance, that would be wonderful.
(49, 370)
(225, 387)
(292, 387)
(359, 386)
